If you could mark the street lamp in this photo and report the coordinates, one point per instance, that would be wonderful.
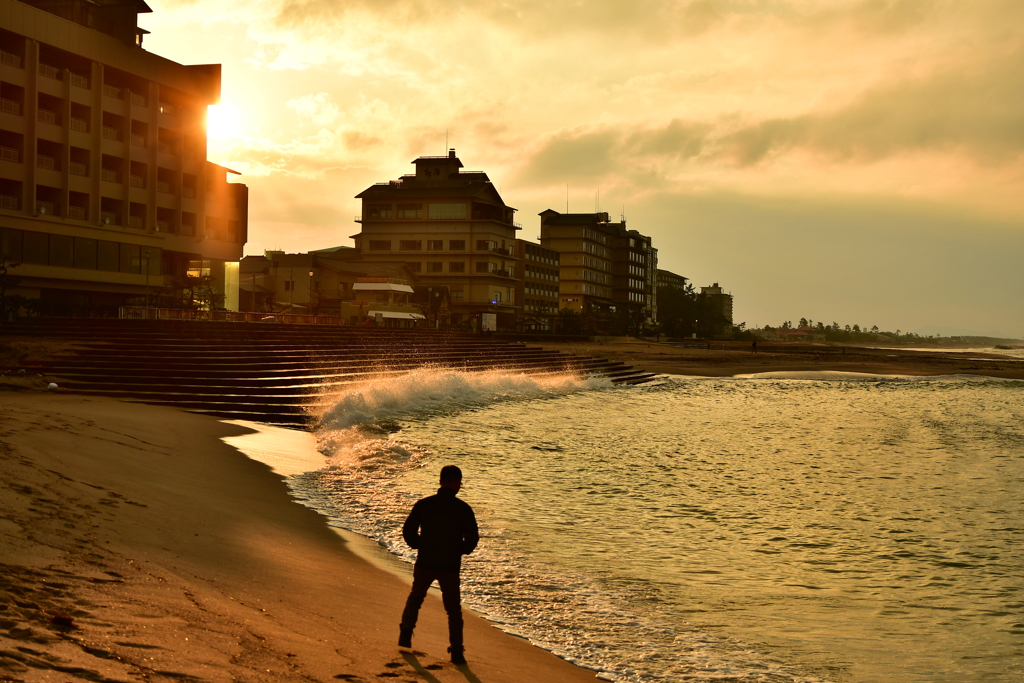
(147, 283)
(310, 303)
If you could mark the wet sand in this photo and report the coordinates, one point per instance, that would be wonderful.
(136, 544)
(727, 359)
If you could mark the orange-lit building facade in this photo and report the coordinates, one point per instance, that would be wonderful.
(105, 189)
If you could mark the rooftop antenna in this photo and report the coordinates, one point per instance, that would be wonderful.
(622, 216)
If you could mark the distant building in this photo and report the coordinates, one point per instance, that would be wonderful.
(454, 230)
(538, 283)
(106, 195)
(606, 271)
(720, 305)
(668, 280)
(326, 283)
(635, 265)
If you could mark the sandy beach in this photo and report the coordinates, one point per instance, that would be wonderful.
(137, 545)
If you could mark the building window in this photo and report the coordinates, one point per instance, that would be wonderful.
(415, 266)
(457, 267)
(435, 245)
(434, 266)
(380, 245)
(446, 211)
(456, 245)
(378, 211)
(484, 266)
(410, 211)
(410, 245)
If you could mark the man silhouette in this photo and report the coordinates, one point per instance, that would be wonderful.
(442, 529)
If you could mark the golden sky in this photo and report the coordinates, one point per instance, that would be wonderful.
(854, 160)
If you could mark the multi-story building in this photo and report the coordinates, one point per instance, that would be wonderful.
(669, 280)
(105, 190)
(635, 264)
(454, 230)
(606, 270)
(538, 286)
(325, 282)
(719, 306)
(584, 243)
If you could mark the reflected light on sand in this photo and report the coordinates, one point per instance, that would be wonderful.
(286, 451)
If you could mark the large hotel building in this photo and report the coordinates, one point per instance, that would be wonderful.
(454, 230)
(605, 270)
(105, 190)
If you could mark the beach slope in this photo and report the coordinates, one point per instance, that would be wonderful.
(135, 543)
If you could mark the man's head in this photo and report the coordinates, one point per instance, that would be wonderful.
(451, 476)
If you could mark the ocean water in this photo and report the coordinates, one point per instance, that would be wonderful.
(713, 529)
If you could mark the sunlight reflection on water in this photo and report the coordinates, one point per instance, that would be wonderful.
(752, 530)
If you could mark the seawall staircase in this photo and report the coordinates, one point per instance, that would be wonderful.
(269, 372)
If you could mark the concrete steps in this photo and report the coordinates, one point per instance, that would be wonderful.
(270, 372)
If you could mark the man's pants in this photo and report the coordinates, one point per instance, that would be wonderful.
(449, 583)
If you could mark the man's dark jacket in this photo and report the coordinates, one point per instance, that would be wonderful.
(443, 529)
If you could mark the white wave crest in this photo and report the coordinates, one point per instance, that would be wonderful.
(354, 427)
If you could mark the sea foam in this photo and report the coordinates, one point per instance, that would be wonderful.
(356, 426)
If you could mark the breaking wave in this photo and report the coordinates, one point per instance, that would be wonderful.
(358, 426)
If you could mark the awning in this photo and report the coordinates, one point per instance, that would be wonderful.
(381, 286)
(396, 314)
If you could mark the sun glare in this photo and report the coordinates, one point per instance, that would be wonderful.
(222, 122)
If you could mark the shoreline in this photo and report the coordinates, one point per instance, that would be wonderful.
(730, 359)
(135, 542)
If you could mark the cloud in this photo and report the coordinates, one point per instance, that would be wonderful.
(318, 108)
(979, 111)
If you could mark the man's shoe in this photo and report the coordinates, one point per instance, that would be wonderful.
(458, 655)
(405, 637)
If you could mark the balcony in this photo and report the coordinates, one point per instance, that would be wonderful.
(9, 202)
(9, 58)
(137, 181)
(47, 116)
(110, 218)
(10, 154)
(188, 192)
(138, 140)
(168, 109)
(78, 213)
(110, 176)
(43, 161)
(164, 186)
(10, 107)
(111, 91)
(163, 226)
(187, 230)
(136, 222)
(165, 147)
(138, 100)
(111, 133)
(79, 124)
(49, 71)
(79, 80)
(46, 208)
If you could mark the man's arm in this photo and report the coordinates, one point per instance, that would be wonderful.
(411, 528)
(470, 534)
